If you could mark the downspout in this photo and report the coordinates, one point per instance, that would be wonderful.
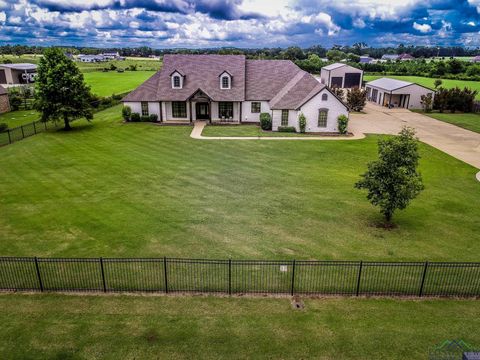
(240, 104)
(161, 112)
(190, 106)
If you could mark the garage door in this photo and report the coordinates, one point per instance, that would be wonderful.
(3, 78)
(352, 80)
(337, 82)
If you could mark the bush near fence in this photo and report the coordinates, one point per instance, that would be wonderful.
(288, 277)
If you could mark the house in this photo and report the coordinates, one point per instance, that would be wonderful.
(232, 89)
(366, 60)
(341, 76)
(4, 103)
(396, 93)
(390, 57)
(110, 55)
(15, 74)
(405, 57)
(476, 59)
(91, 58)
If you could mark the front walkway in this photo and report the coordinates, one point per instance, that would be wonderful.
(199, 125)
(458, 142)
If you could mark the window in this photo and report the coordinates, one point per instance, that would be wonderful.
(225, 82)
(324, 97)
(322, 118)
(225, 110)
(179, 109)
(176, 81)
(284, 118)
(144, 108)
(256, 107)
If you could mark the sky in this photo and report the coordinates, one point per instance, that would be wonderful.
(239, 23)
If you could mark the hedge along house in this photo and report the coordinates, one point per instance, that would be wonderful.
(232, 89)
(17, 74)
(342, 76)
(4, 103)
(396, 93)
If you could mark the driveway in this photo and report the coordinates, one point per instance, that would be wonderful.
(453, 140)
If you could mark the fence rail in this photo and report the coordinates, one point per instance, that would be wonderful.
(287, 277)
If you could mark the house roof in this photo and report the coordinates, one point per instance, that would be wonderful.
(388, 84)
(333, 66)
(19, 66)
(3, 91)
(390, 56)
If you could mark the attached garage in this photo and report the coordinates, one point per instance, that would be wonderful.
(340, 75)
(396, 93)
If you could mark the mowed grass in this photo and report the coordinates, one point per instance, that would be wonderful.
(467, 121)
(112, 189)
(127, 327)
(429, 82)
(244, 130)
(20, 117)
(112, 82)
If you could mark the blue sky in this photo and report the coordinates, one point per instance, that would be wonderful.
(242, 23)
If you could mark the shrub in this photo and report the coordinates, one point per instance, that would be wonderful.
(265, 121)
(3, 127)
(153, 117)
(113, 67)
(145, 118)
(120, 70)
(427, 102)
(302, 123)
(135, 117)
(15, 98)
(126, 113)
(342, 121)
(287, 129)
(132, 67)
(356, 99)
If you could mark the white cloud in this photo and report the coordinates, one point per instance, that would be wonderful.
(423, 28)
(3, 16)
(475, 3)
(471, 23)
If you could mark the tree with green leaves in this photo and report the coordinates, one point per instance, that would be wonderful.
(356, 99)
(393, 181)
(61, 93)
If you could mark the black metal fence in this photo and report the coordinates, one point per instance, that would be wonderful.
(287, 277)
(21, 132)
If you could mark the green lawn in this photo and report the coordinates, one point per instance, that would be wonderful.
(466, 121)
(243, 130)
(20, 117)
(113, 189)
(429, 82)
(112, 82)
(135, 327)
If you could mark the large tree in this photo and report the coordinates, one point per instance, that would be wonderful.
(393, 181)
(60, 92)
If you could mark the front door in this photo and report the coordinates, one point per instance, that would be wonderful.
(202, 111)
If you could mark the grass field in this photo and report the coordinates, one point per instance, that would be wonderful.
(113, 189)
(126, 327)
(466, 121)
(20, 117)
(112, 82)
(244, 130)
(429, 82)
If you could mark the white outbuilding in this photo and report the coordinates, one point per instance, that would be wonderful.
(340, 75)
(396, 93)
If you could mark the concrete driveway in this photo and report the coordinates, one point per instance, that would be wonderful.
(455, 141)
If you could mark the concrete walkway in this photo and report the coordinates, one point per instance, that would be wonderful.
(453, 140)
(199, 125)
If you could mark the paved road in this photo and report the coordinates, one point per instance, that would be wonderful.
(455, 141)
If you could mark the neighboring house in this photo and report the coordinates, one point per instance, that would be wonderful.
(366, 60)
(4, 103)
(15, 74)
(341, 76)
(110, 55)
(396, 93)
(405, 57)
(390, 57)
(230, 88)
(476, 59)
(91, 58)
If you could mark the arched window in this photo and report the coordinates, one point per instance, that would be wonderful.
(176, 81)
(322, 117)
(324, 97)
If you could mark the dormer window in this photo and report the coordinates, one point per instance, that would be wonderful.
(225, 80)
(177, 80)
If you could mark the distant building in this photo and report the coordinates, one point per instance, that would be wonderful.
(91, 58)
(476, 59)
(15, 74)
(405, 57)
(390, 57)
(110, 55)
(4, 103)
(341, 76)
(366, 60)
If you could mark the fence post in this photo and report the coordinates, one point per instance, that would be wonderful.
(420, 292)
(165, 272)
(34, 128)
(103, 276)
(292, 290)
(38, 274)
(9, 137)
(359, 277)
(23, 134)
(229, 276)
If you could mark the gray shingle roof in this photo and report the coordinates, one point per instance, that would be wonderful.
(3, 91)
(20, 66)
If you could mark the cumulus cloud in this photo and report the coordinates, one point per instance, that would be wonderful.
(423, 28)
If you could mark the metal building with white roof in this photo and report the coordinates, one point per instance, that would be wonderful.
(340, 75)
(396, 93)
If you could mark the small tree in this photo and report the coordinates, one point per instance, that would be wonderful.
(60, 91)
(302, 123)
(437, 83)
(427, 102)
(356, 99)
(342, 123)
(393, 181)
(126, 113)
(338, 91)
